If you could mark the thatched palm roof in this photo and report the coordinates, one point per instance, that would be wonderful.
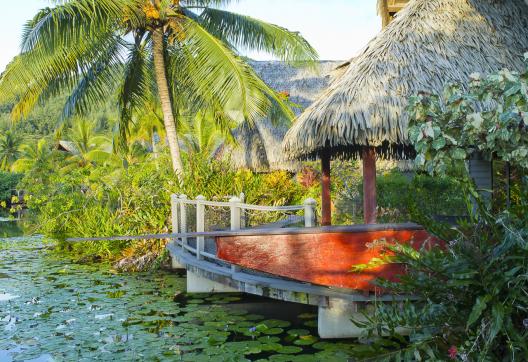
(67, 146)
(259, 148)
(428, 44)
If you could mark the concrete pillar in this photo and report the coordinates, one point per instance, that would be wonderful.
(175, 264)
(199, 284)
(334, 321)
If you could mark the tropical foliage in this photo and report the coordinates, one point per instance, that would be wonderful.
(8, 183)
(489, 120)
(178, 53)
(10, 144)
(471, 293)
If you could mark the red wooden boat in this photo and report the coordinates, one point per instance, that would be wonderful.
(322, 256)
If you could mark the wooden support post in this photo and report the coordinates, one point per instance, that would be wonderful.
(384, 13)
(326, 202)
(309, 213)
(200, 226)
(369, 185)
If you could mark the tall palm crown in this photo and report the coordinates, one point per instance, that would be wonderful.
(181, 52)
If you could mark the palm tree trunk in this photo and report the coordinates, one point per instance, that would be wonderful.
(166, 102)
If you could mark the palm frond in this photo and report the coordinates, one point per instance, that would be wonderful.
(249, 33)
(70, 21)
(97, 82)
(136, 89)
(34, 76)
(214, 72)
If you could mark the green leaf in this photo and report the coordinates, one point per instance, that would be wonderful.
(478, 308)
(459, 154)
(497, 315)
(439, 143)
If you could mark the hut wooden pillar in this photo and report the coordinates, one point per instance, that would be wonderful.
(326, 202)
(369, 185)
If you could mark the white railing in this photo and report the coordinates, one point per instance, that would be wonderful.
(182, 207)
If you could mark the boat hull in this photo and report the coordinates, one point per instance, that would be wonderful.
(322, 256)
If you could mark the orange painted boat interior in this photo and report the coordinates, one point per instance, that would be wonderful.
(323, 256)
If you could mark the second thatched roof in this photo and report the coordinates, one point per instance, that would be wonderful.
(430, 43)
(259, 148)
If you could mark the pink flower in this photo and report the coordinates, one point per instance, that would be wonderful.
(453, 351)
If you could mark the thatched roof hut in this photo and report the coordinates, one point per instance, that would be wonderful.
(67, 146)
(259, 148)
(429, 44)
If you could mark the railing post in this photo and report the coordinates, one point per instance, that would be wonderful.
(235, 213)
(174, 213)
(235, 222)
(309, 213)
(200, 226)
(183, 219)
(243, 212)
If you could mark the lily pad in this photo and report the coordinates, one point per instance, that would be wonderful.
(306, 340)
(298, 332)
(290, 350)
(273, 331)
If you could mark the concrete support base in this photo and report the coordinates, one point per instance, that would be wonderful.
(198, 284)
(334, 321)
(176, 265)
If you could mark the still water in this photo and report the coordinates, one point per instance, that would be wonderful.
(54, 310)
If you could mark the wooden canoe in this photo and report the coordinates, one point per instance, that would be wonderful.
(322, 256)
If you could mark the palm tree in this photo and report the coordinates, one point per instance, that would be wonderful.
(89, 148)
(202, 135)
(148, 127)
(35, 156)
(182, 52)
(10, 144)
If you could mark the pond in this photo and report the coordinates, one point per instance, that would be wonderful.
(54, 310)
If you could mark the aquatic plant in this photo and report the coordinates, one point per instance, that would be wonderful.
(74, 312)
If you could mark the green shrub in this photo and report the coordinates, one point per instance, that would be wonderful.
(403, 198)
(105, 201)
(471, 299)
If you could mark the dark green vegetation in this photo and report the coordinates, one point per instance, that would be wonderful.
(474, 292)
(85, 312)
(8, 183)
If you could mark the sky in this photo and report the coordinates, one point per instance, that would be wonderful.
(337, 29)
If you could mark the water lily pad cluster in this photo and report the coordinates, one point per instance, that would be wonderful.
(78, 312)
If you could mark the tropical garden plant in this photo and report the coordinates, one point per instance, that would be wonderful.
(471, 293)
(34, 156)
(181, 53)
(10, 144)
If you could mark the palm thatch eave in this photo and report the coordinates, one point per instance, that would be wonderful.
(429, 44)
